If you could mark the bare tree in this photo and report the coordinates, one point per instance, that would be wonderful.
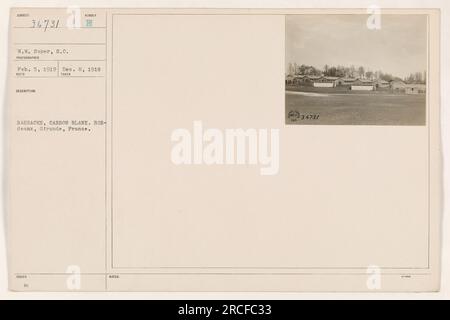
(361, 71)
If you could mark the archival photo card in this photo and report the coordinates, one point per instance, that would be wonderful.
(356, 69)
(148, 150)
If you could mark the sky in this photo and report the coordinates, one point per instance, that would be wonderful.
(398, 48)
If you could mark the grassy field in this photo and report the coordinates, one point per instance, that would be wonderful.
(310, 108)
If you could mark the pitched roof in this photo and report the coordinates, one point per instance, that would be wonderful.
(397, 81)
(314, 77)
(365, 80)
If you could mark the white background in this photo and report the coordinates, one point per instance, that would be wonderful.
(445, 113)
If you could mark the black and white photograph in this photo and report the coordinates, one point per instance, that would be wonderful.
(349, 70)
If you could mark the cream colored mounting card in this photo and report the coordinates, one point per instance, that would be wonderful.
(224, 150)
